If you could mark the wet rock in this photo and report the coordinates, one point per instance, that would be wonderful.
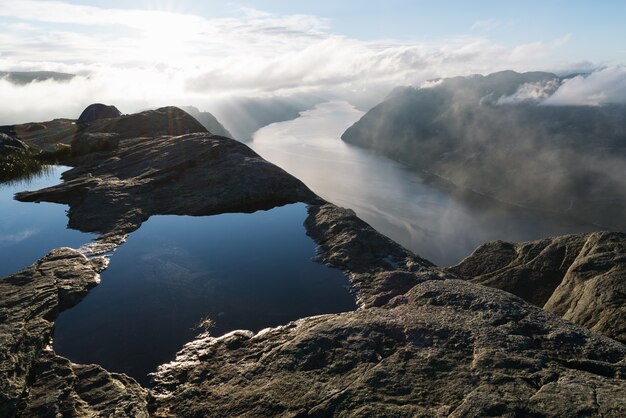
(580, 277)
(29, 301)
(446, 348)
(98, 111)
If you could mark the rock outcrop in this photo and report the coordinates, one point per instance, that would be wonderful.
(379, 268)
(207, 120)
(195, 174)
(445, 348)
(10, 145)
(98, 111)
(63, 132)
(86, 143)
(33, 380)
(580, 277)
(151, 123)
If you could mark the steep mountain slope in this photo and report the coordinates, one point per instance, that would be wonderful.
(492, 135)
(208, 121)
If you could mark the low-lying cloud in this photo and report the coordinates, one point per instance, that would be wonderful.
(137, 59)
(600, 87)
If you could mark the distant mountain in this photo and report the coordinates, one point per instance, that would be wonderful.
(25, 77)
(245, 116)
(208, 121)
(492, 134)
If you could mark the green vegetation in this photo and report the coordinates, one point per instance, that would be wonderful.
(21, 166)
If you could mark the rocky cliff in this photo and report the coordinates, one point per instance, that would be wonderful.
(207, 120)
(581, 278)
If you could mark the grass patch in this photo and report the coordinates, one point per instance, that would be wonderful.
(22, 166)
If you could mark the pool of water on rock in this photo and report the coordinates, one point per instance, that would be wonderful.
(243, 271)
(29, 230)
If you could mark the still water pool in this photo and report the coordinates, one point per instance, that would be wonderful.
(29, 230)
(242, 271)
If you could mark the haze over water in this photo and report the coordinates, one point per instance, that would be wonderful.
(429, 218)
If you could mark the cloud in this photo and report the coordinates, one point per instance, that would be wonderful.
(534, 51)
(9, 239)
(139, 58)
(532, 92)
(563, 40)
(600, 87)
(486, 25)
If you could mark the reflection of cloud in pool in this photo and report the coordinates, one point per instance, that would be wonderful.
(174, 267)
(17, 236)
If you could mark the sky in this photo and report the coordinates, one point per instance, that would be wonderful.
(139, 54)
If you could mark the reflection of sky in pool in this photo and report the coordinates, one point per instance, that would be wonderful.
(29, 230)
(244, 271)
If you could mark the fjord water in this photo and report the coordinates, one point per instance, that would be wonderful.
(432, 219)
(29, 230)
(242, 271)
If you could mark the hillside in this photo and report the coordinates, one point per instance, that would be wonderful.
(494, 135)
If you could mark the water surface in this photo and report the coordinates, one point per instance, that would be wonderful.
(426, 217)
(29, 230)
(243, 271)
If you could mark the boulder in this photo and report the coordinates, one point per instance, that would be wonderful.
(86, 143)
(98, 111)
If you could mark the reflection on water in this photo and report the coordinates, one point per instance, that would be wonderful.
(29, 230)
(424, 216)
(243, 271)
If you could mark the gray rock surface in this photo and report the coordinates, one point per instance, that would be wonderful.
(195, 174)
(580, 277)
(151, 123)
(86, 143)
(378, 268)
(207, 120)
(33, 380)
(62, 388)
(445, 348)
(10, 145)
(168, 120)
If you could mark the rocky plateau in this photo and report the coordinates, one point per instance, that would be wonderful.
(531, 329)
